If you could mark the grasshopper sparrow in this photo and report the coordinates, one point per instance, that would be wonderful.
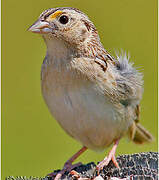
(93, 96)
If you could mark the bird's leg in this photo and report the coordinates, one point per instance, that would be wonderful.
(68, 166)
(111, 156)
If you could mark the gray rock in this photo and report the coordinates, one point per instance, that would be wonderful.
(140, 166)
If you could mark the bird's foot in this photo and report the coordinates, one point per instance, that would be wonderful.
(111, 156)
(67, 168)
(106, 161)
(77, 176)
(68, 165)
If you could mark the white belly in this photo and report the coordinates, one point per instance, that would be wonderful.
(83, 112)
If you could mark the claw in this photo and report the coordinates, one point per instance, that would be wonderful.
(68, 165)
(110, 157)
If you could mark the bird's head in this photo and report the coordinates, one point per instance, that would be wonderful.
(68, 24)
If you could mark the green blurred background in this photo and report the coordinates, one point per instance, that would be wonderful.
(32, 141)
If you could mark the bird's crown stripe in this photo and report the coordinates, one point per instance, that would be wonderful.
(54, 15)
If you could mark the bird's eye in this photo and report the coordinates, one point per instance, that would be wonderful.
(63, 19)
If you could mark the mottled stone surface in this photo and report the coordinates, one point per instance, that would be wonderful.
(141, 166)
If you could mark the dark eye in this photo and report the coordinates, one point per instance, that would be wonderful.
(63, 19)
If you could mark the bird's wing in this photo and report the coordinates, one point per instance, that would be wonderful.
(119, 81)
(100, 73)
(122, 84)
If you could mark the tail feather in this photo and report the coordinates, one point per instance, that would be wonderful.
(139, 135)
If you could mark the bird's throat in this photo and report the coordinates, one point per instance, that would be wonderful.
(58, 50)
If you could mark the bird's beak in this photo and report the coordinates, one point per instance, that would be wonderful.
(41, 27)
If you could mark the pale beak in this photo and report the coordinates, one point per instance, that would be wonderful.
(41, 27)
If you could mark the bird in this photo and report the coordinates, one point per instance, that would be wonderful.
(94, 96)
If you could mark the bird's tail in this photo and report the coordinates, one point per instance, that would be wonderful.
(139, 135)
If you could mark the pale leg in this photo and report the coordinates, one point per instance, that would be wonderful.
(68, 165)
(111, 156)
